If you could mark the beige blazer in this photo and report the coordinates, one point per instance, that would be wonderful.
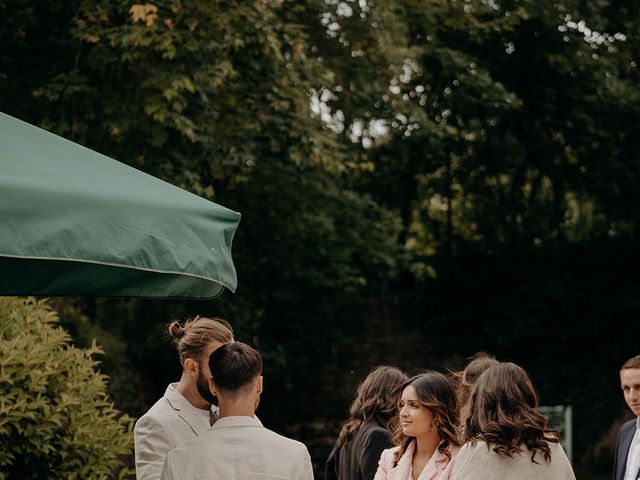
(172, 421)
(479, 462)
(239, 448)
(437, 468)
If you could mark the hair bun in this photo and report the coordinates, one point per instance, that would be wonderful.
(176, 330)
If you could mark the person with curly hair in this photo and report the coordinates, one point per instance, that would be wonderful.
(426, 439)
(367, 432)
(506, 436)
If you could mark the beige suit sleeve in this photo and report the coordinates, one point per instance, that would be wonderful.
(167, 471)
(152, 443)
(307, 468)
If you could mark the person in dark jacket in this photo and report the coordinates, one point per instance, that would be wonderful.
(368, 430)
(626, 465)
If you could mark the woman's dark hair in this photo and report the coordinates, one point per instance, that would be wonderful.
(435, 393)
(377, 395)
(468, 377)
(503, 413)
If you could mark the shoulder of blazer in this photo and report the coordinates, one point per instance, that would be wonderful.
(172, 412)
(174, 398)
(629, 424)
(625, 434)
(388, 456)
(168, 405)
(368, 430)
(623, 443)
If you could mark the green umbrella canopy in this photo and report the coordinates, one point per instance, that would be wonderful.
(75, 222)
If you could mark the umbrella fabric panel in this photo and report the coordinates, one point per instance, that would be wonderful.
(61, 201)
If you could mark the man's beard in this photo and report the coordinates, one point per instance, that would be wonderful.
(203, 389)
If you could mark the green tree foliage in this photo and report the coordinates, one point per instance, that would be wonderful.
(516, 100)
(56, 420)
(197, 93)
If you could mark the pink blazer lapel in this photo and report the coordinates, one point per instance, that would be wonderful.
(401, 471)
(438, 468)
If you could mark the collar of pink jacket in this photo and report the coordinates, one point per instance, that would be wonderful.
(437, 468)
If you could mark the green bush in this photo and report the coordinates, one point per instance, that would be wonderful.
(56, 420)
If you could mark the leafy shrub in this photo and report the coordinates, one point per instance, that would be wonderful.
(56, 420)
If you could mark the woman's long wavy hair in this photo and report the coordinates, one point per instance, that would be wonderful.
(377, 395)
(503, 413)
(435, 393)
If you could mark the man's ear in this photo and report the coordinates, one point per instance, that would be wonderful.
(190, 365)
(259, 385)
(212, 387)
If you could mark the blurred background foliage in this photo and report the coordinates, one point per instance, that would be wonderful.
(418, 180)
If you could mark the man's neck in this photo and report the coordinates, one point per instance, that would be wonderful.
(240, 408)
(189, 390)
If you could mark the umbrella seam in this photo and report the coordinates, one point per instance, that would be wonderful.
(107, 264)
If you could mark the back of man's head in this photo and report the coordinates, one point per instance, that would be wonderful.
(235, 366)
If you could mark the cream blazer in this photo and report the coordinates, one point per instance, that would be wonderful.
(239, 448)
(479, 462)
(437, 468)
(172, 421)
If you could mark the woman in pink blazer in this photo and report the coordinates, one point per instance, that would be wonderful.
(426, 440)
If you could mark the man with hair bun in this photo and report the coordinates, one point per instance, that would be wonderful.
(626, 464)
(238, 447)
(184, 412)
